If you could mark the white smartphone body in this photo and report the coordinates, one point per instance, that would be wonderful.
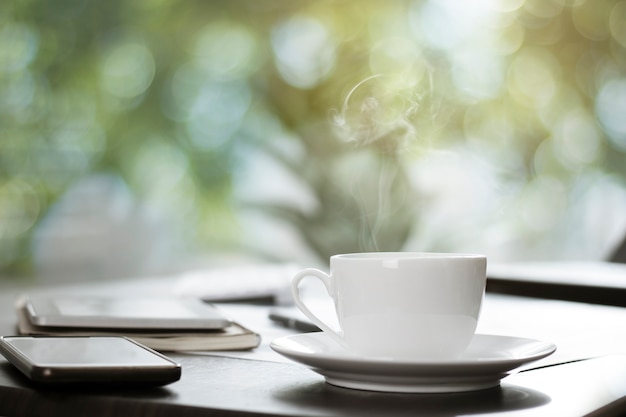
(98, 360)
(143, 313)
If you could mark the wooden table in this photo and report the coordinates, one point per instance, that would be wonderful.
(261, 382)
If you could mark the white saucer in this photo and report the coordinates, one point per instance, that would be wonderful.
(486, 361)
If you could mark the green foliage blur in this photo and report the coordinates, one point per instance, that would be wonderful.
(346, 96)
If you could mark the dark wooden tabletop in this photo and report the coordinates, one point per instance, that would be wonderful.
(219, 386)
(251, 386)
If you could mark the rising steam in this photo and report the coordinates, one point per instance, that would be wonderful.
(379, 108)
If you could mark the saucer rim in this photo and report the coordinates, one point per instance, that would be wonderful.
(543, 350)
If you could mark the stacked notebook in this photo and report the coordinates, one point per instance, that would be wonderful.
(161, 323)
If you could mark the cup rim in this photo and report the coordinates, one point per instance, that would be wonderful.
(361, 256)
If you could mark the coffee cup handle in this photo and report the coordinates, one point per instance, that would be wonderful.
(295, 292)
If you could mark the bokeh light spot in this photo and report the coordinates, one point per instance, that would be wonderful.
(127, 69)
(17, 93)
(448, 24)
(216, 113)
(617, 23)
(228, 50)
(478, 76)
(304, 51)
(19, 208)
(533, 77)
(591, 19)
(18, 46)
(544, 9)
(577, 140)
(507, 6)
(611, 108)
(508, 40)
(158, 168)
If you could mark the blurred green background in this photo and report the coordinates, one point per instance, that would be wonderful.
(136, 134)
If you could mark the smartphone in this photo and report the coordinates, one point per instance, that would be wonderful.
(135, 312)
(83, 360)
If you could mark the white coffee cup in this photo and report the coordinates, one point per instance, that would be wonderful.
(419, 306)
